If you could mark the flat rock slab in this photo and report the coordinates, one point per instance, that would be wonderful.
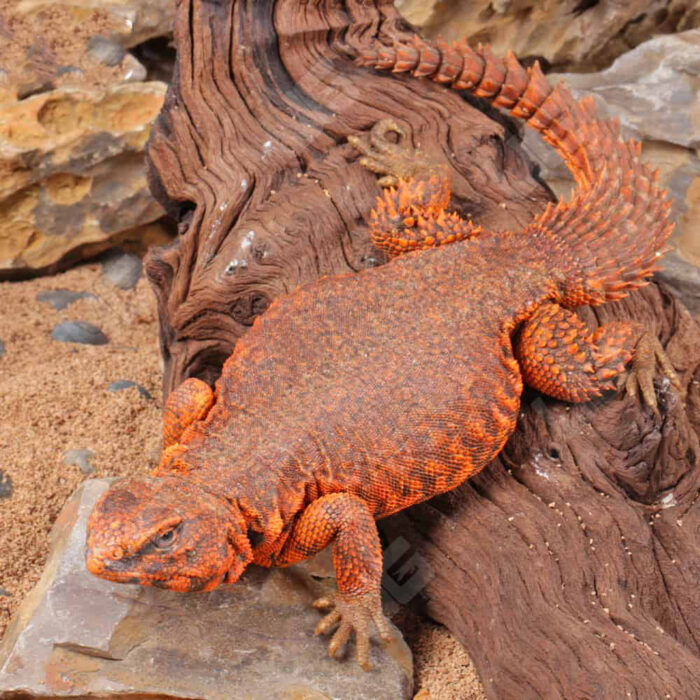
(78, 636)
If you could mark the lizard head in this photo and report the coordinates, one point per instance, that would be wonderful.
(166, 532)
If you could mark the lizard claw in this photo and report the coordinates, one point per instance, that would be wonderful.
(352, 613)
(640, 379)
(394, 160)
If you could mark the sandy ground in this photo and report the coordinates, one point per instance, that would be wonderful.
(54, 398)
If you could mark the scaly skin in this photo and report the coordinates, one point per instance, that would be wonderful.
(357, 396)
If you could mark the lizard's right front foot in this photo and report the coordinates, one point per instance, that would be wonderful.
(353, 613)
(394, 160)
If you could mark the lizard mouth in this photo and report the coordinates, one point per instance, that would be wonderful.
(96, 566)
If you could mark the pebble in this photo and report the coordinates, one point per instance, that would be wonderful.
(66, 70)
(79, 332)
(122, 384)
(122, 269)
(4, 593)
(107, 51)
(62, 298)
(2, 348)
(5, 485)
(80, 459)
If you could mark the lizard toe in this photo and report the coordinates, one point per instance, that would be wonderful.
(353, 614)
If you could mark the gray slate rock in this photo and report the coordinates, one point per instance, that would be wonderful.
(62, 298)
(122, 384)
(5, 485)
(654, 89)
(79, 332)
(684, 279)
(122, 269)
(79, 458)
(109, 52)
(76, 635)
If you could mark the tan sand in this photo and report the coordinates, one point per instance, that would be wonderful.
(54, 398)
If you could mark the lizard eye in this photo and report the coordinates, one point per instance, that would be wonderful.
(165, 540)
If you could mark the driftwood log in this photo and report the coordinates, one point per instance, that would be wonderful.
(571, 566)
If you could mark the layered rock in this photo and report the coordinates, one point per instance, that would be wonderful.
(74, 120)
(76, 635)
(72, 171)
(567, 34)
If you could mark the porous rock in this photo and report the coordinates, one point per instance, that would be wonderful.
(72, 173)
(568, 34)
(79, 635)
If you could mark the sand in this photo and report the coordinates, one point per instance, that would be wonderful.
(54, 398)
(43, 46)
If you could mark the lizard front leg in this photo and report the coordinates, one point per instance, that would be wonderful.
(345, 520)
(412, 214)
(189, 403)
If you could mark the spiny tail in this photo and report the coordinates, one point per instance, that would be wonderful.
(609, 239)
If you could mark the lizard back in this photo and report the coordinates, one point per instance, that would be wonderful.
(394, 384)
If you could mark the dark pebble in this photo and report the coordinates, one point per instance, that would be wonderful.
(109, 52)
(80, 459)
(4, 593)
(5, 485)
(122, 269)
(66, 70)
(62, 298)
(79, 332)
(122, 384)
(2, 348)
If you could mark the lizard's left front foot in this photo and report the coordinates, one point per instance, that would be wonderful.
(648, 354)
(353, 613)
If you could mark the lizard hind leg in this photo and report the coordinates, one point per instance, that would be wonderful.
(189, 403)
(412, 214)
(561, 358)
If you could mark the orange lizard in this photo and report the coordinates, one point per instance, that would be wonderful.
(357, 396)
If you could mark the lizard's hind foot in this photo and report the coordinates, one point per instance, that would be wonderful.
(648, 355)
(393, 159)
(353, 613)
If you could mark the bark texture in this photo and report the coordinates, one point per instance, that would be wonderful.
(570, 567)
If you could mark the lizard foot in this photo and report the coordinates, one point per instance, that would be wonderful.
(393, 159)
(648, 354)
(352, 613)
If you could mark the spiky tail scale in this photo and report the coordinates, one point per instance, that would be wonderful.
(610, 237)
